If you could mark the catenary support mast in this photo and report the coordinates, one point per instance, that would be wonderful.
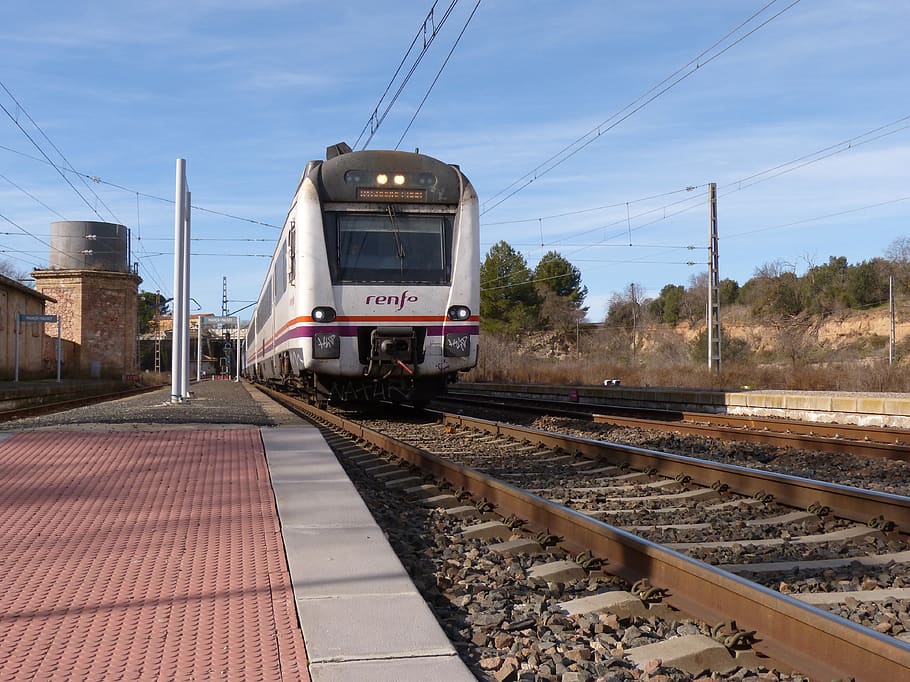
(713, 284)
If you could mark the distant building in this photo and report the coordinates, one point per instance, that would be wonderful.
(163, 326)
(36, 356)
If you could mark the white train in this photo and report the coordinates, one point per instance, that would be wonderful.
(373, 291)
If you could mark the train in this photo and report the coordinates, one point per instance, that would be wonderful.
(373, 291)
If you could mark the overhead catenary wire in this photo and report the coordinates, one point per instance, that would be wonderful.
(790, 166)
(32, 197)
(146, 195)
(376, 118)
(836, 214)
(633, 107)
(438, 74)
(46, 156)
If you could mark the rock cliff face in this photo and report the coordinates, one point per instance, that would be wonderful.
(848, 328)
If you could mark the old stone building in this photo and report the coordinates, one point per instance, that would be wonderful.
(96, 295)
(34, 360)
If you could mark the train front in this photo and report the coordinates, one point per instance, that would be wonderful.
(401, 236)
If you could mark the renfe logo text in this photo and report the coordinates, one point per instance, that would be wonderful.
(398, 301)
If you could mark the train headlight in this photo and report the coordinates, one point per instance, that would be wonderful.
(323, 314)
(459, 313)
(382, 179)
(398, 179)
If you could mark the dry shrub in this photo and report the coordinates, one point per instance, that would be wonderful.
(664, 365)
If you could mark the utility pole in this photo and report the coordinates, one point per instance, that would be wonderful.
(158, 331)
(632, 286)
(713, 283)
(891, 338)
(226, 334)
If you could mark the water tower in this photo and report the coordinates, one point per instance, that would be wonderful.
(97, 296)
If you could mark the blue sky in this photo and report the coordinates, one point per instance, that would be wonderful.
(248, 92)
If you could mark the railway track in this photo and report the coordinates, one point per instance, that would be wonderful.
(889, 443)
(681, 515)
(62, 405)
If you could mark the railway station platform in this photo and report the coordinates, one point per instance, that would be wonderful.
(165, 545)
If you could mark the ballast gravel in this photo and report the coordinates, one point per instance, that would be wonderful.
(506, 625)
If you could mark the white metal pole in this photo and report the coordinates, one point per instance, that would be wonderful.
(177, 312)
(238, 348)
(199, 349)
(59, 349)
(16, 327)
(185, 378)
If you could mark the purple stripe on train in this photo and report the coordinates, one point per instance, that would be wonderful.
(307, 331)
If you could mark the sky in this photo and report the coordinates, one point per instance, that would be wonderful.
(589, 128)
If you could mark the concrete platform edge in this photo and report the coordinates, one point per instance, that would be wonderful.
(351, 611)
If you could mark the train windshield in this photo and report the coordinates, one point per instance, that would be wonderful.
(392, 247)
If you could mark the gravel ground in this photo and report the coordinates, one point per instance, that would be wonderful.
(226, 404)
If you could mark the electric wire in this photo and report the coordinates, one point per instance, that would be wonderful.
(32, 196)
(43, 153)
(737, 185)
(642, 101)
(803, 221)
(438, 74)
(375, 119)
(166, 200)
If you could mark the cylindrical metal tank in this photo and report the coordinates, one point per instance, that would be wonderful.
(89, 245)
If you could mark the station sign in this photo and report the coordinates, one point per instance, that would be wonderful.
(214, 319)
(23, 317)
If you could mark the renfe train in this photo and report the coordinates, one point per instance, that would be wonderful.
(373, 291)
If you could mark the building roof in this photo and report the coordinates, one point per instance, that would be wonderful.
(8, 283)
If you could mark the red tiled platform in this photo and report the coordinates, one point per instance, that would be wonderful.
(143, 555)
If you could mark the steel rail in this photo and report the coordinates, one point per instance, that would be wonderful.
(795, 634)
(63, 405)
(839, 438)
(847, 502)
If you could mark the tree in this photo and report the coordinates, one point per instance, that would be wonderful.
(667, 307)
(774, 290)
(150, 303)
(558, 275)
(824, 287)
(867, 285)
(625, 318)
(695, 302)
(624, 310)
(560, 312)
(7, 269)
(508, 298)
(728, 291)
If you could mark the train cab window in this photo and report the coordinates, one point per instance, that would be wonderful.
(392, 248)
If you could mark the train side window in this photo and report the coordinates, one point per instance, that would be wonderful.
(292, 252)
(281, 271)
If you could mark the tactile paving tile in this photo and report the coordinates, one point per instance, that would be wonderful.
(143, 555)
